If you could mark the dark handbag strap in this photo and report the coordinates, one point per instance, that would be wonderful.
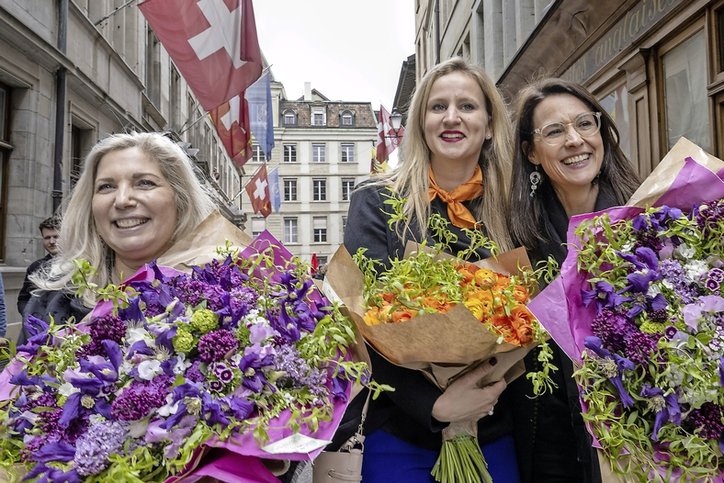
(358, 438)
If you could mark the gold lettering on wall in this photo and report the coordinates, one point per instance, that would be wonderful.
(623, 34)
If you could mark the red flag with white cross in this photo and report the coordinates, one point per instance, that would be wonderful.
(212, 42)
(258, 190)
(231, 120)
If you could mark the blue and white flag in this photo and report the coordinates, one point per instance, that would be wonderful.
(274, 193)
(258, 96)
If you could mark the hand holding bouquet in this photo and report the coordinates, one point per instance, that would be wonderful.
(240, 353)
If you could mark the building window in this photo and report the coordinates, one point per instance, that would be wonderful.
(687, 113)
(291, 230)
(616, 104)
(320, 229)
(322, 260)
(347, 119)
(318, 153)
(344, 222)
(290, 118)
(347, 151)
(258, 225)
(257, 155)
(318, 119)
(319, 189)
(81, 140)
(153, 68)
(290, 153)
(347, 187)
(290, 189)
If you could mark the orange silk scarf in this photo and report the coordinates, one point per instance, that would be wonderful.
(459, 215)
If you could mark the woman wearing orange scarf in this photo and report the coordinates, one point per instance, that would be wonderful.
(455, 160)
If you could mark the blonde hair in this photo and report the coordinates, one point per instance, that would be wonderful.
(79, 238)
(410, 178)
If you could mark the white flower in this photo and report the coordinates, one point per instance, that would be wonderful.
(168, 409)
(135, 334)
(684, 251)
(181, 364)
(66, 389)
(149, 369)
(696, 269)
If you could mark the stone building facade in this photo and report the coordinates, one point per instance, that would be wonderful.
(72, 72)
(656, 65)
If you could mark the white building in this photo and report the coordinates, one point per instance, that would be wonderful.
(323, 148)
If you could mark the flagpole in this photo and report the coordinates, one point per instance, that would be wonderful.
(114, 12)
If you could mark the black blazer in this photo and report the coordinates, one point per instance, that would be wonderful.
(550, 436)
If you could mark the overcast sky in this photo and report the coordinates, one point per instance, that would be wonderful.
(349, 50)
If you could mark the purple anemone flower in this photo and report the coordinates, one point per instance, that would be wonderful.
(37, 331)
(666, 408)
(613, 366)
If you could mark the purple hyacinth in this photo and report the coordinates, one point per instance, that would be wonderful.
(612, 328)
(108, 327)
(140, 398)
(190, 292)
(215, 345)
(94, 447)
(194, 373)
(707, 420)
(640, 346)
(297, 373)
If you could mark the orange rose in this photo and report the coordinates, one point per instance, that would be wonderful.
(521, 321)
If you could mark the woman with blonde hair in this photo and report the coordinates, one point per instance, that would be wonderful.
(455, 161)
(136, 195)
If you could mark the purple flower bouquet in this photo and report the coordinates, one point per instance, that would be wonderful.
(183, 375)
(639, 308)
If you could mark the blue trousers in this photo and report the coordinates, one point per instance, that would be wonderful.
(387, 458)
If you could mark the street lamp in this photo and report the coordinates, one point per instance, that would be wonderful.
(395, 121)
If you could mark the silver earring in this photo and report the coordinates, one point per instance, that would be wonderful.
(535, 179)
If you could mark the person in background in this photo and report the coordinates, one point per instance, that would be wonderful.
(567, 162)
(49, 230)
(454, 161)
(136, 195)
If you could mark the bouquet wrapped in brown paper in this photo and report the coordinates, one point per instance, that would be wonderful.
(444, 316)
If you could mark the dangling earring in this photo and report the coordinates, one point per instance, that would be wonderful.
(535, 179)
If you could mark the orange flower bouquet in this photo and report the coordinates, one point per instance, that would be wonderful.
(444, 316)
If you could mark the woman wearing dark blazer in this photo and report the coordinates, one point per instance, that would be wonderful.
(567, 161)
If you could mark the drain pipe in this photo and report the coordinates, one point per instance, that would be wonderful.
(60, 87)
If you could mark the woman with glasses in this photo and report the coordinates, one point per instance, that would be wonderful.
(567, 162)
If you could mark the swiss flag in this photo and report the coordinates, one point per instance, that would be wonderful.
(387, 138)
(213, 43)
(258, 190)
(231, 120)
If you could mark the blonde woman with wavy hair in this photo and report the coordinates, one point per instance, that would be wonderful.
(455, 161)
(411, 179)
(136, 195)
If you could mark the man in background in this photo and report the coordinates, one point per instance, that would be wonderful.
(49, 229)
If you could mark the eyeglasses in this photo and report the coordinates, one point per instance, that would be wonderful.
(585, 124)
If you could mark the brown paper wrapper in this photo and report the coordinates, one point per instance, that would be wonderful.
(663, 176)
(442, 346)
(200, 244)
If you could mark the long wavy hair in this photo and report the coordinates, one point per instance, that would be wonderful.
(79, 237)
(617, 177)
(410, 178)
